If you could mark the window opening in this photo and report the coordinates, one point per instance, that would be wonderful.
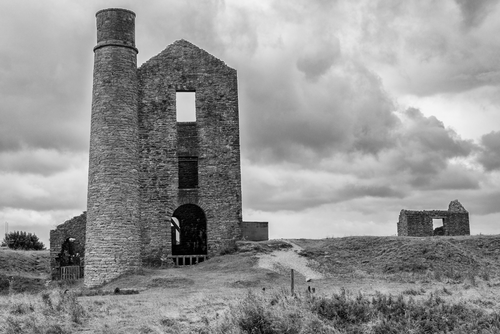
(185, 106)
(438, 226)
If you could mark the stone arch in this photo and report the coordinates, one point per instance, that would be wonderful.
(189, 230)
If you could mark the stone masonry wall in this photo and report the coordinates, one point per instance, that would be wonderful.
(73, 228)
(457, 223)
(419, 223)
(185, 67)
(113, 239)
(402, 224)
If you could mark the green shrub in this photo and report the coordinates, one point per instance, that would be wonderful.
(22, 240)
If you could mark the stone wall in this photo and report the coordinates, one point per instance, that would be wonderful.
(420, 223)
(255, 231)
(73, 228)
(213, 140)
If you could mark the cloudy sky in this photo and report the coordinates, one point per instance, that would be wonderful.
(350, 110)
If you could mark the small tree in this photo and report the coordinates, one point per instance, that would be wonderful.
(23, 240)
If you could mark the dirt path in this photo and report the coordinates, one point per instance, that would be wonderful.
(281, 261)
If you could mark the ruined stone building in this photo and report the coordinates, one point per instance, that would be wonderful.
(455, 221)
(67, 244)
(158, 187)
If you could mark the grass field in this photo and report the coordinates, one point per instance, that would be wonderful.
(371, 285)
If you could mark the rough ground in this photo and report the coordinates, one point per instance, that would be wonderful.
(455, 268)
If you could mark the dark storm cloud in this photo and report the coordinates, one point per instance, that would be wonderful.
(317, 57)
(297, 195)
(195, 22)
(426, 147)
(450, 178)
(475, 11)
(357, 191)
(423, 42)
(293, 120)
(489, 156)
(431, 135)
(44, 81)
(419, 158)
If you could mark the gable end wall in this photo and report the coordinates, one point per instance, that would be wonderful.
(213, 139)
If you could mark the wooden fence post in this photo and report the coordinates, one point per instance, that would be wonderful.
(292, 281)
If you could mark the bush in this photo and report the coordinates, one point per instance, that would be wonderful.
(23, 240)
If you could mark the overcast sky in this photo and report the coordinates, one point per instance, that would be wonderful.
(349, 110)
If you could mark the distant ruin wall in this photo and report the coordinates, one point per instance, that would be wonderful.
(420, 223)
(255, 231)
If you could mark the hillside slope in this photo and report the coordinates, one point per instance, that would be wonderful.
(29, 269)
(389, 255)
(436, 257)
(24, 263)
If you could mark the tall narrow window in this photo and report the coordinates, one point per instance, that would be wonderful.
(185, 106)
(188, 172)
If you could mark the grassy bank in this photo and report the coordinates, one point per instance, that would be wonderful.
(59, 311)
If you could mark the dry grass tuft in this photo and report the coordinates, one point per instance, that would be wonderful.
(49, 312)
(346, 313)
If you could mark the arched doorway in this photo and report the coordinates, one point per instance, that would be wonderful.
(189, 231)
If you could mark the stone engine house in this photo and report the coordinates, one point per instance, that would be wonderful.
(158, 187)
(420, 223)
